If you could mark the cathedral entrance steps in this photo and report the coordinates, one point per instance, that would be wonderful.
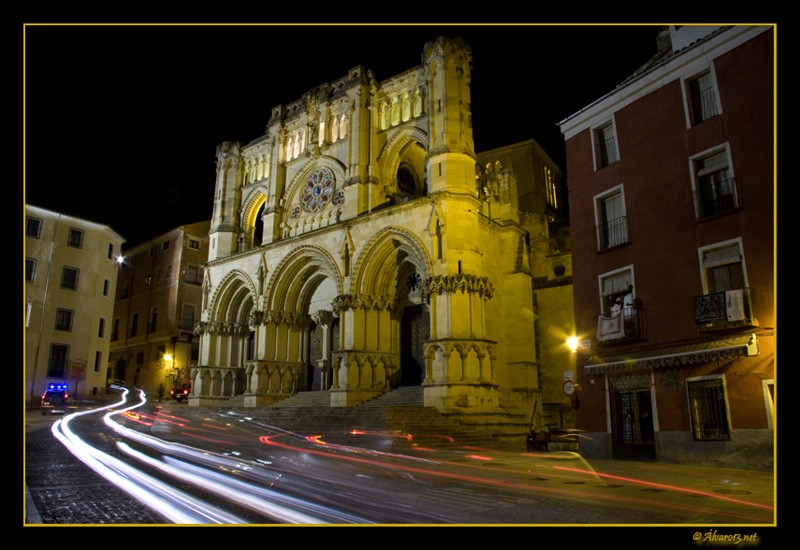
(404, 395)
(304, 399)
(399, 411)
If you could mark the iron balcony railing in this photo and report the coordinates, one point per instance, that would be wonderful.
(626, 324)
(718, 197)
(720, 310)
(612, 233)
(606, 152)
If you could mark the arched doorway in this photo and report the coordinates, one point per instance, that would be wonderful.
(415, 328)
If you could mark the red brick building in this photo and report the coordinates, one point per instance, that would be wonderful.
(671, 180)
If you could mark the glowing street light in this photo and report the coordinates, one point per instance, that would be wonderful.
(572, 343)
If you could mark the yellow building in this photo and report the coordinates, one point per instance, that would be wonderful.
(70, 281)
(359, 245)
(157, 306)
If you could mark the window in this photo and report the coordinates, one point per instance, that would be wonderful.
(550, 186)
(115, 332)
(187, 316)
(148, 279)
(165, 246)
(101, 329)
(98, 360)
(33, 227)
(57, 363)
(168, 273)
(75, 238)
(110, 251)
(715, 186)
(612, 223)
(152, 251)
(64, 319)
(106, 284)
(709, 409)
(723, 267)
(702, 98)
(30, 269)
(194, 244)
(191, 275)
(726, 299)
(124, 290)
(616, 292)
(619, 317)
(153, 320)
(134, 325)
(605, 146)
(69, 278)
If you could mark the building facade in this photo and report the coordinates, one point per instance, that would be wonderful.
(543, 213)
(359, 245)
(70, 280)
(671, 181)
(158, 300)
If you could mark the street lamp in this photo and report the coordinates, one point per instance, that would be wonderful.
(572, 343)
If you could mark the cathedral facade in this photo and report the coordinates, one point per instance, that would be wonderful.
(359, 245)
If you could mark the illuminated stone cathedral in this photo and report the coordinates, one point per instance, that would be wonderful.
(361, 245)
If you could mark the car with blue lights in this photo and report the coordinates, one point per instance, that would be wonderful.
(55, 399)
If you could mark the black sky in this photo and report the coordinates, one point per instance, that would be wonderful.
(122, 122)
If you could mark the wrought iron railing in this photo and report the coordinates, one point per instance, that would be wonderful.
(612, 233)
(718, 197)
(727, 309)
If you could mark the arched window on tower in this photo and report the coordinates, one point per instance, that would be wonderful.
(405, 105)
(384, 115)
(258, 230)
(395, 111)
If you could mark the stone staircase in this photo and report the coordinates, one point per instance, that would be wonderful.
(400, 410)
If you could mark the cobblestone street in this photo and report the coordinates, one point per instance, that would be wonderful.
(65, 491)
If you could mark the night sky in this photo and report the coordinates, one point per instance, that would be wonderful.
(122, 122)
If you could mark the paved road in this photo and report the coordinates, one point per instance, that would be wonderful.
(62, 490)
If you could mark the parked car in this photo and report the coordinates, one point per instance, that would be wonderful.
(180, 393)
(55, 399)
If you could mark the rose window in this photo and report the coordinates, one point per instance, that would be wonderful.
(318, 190)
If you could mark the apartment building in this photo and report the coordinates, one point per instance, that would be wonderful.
(158, 301)
(671, 179)
(70, 283)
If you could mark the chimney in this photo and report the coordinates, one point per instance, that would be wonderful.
(663, 40)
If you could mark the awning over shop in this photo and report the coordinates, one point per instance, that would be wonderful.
(715, 350)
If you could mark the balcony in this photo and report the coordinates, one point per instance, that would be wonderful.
(718, 197)
(724, 310)
(623, 326)
(612, 233)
